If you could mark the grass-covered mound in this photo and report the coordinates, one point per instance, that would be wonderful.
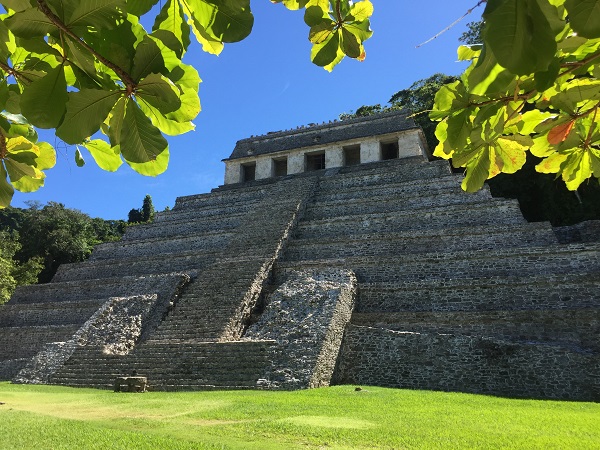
(46, 417)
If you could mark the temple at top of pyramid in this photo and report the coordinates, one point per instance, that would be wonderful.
(333, 254)
(361, 140)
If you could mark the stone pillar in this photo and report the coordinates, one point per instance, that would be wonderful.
(233, 172)
(370, 151)
(295, 163)
(334, 157)
(264, 168)
(410, 144)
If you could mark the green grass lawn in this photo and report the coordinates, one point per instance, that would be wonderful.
(47, 417)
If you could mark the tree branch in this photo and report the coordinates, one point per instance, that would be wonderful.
(124, 76)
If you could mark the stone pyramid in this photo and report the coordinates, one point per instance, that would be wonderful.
(335, 253)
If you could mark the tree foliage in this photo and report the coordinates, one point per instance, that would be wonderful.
(89, 70)
(53, 235)
(12, 272)
(532, 87)
(143, 215)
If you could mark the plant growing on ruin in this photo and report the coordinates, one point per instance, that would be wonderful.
(89, 68)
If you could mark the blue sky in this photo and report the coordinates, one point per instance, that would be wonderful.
(266, 83)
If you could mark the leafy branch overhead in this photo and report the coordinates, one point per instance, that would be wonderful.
(89, 68)
(532, 86)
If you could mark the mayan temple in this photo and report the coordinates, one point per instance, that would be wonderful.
(332, 254)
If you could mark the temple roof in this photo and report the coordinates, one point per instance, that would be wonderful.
(325, 133)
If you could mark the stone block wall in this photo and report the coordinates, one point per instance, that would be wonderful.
(465, 363)
(306, 316)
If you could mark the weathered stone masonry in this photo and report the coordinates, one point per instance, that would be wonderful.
(332, 253)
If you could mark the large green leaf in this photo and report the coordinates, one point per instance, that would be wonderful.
(117, 116)
(148, 59)
(108, 158)
(46, 158)
(6, 190)
(160, 92)
(519, 35)
(101, 14)
(86, 110)
(140, 7)
(171, 19)
(584, 17)
(360, 11)
(30, 23)
(328, 53)
(43, 101)
(24, 178)
(142, 145)
(478, 169)
(168, 126)
(224, 20)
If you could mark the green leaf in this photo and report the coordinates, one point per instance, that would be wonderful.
(361, 10)
(519, 35)
(160, 92)
(79, 158)
(171, 19)
(478, 169)
(6, 190)
(86, 110)
(24, 178)
(328, 53)
(450, 98)
(142, 145)
(148, 59)
(101, 14)
(43, 101)
(487, 76)
(140, 7)
(321, 32)
(509, 154)
(108, 158)
(46, 158)
(116, 121)
(576, 169)
(223, 20)
(468, 52)
(29, 23)
(17, 5)
(584, 17)
(350, 44)
(168, 126)
(81, 57)
(317, 12)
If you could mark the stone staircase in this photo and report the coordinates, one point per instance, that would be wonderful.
(456, 291)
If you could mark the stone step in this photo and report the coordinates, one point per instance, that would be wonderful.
(380, 204)
(579, 327)
(231, 209)
(397, 172)
(420, 241)
(477, 364)
(166, 366)
(188, 262)
(69, 291)
(182, 227)
(332, 192)
(35, 314)
(161, 246)
(530, 292)
(488, 212)
(26, 341)
(249, 193)
(501, 262)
